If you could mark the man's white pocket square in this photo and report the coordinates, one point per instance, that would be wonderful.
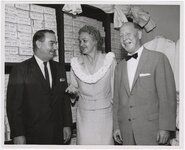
(144, 74)
(62, 79)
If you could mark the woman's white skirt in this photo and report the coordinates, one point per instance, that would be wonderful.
(94, 127)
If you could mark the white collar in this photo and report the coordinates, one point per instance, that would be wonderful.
(139, 51)
(109, 58)
(38, 60)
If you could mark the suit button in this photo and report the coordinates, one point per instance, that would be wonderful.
(129, 119)
(131, 106)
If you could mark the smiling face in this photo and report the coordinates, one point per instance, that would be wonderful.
(87, 43)
(46, 49)
(130, 37)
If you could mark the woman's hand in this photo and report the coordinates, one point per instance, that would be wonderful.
(72, 91)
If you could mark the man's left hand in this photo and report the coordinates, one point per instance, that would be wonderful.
(66, 133)
(163, 137)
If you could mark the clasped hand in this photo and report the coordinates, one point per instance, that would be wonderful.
(72, 91)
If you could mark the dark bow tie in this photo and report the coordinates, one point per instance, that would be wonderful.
(130, 56)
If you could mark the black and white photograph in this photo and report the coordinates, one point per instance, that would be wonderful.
(92, 75)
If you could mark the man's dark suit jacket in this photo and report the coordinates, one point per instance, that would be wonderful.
(34, 110)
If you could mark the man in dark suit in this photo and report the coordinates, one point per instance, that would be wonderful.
(38, 110)
(144, 104)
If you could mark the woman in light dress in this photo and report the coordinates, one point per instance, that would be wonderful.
(92, 80)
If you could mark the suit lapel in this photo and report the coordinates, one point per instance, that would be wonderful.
(38, 74)
(54, 82)
(125, 77)
(143, 58)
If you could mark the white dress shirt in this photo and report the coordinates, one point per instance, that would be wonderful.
(41, 66)
(132, 66)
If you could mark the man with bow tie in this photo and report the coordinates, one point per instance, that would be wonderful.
(38, 110)
(144, 104)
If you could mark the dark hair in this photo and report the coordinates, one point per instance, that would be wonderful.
(40, 35)
(95, 34)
